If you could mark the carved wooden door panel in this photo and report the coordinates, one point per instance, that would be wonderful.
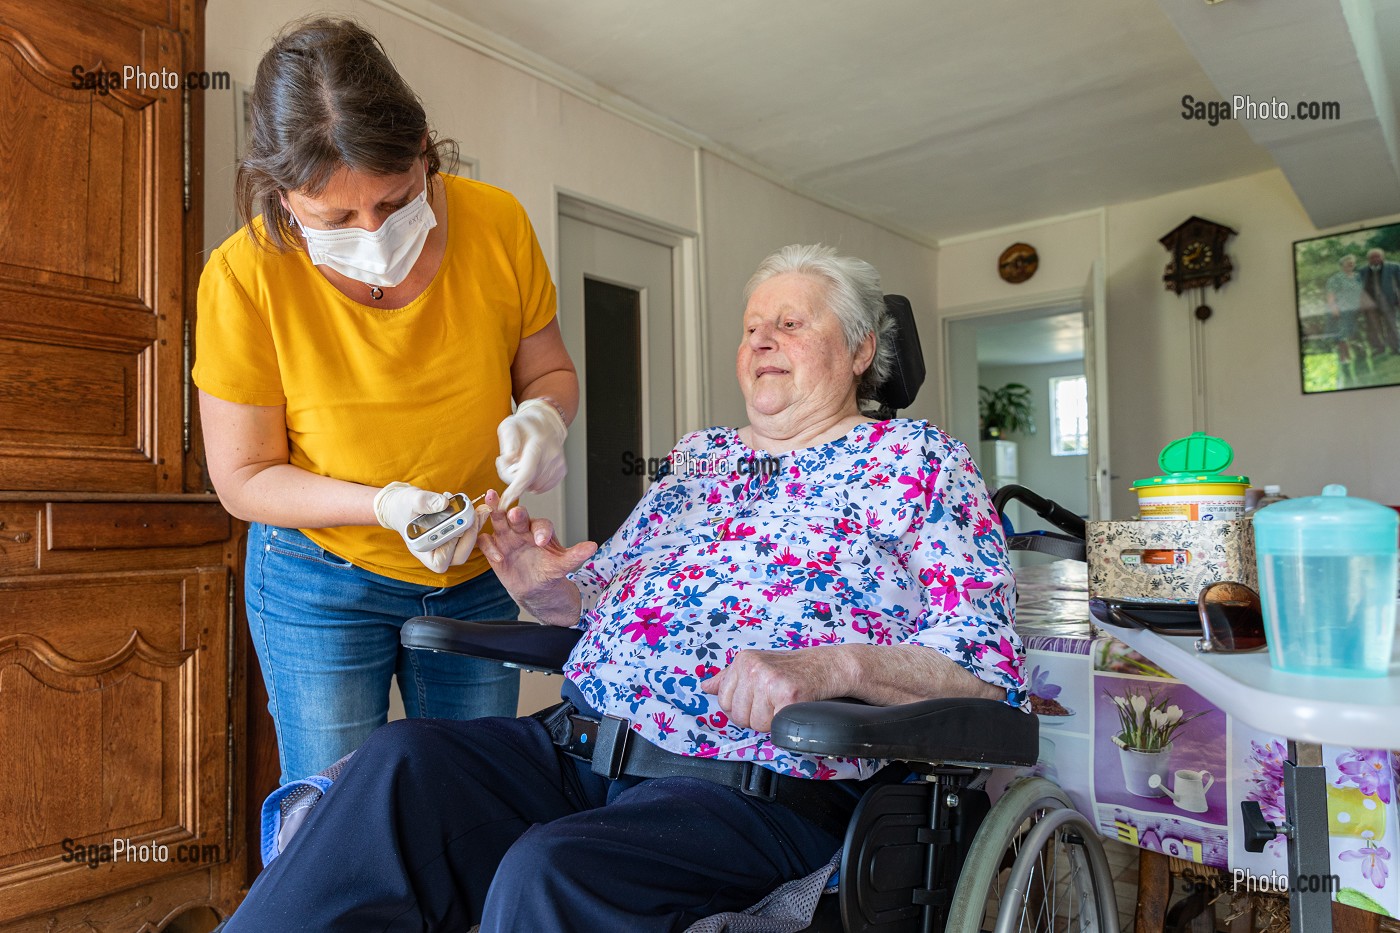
(114, 686)
(91, 228)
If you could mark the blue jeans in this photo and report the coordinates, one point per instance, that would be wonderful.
(327, 637)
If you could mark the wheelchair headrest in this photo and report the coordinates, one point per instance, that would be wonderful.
(907, 373)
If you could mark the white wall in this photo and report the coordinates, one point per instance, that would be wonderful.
(967, 266)
(1255, 398)
(535, 139)
(1254, 391)
(746, 218)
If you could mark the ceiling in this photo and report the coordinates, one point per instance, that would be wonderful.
(1029, 342)
(937, 118)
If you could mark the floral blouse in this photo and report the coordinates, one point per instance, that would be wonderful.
(885, 536)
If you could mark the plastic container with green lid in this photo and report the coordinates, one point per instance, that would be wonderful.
(1327, 583)
(1192, 488)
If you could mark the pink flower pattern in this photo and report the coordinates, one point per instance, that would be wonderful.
(885, 536)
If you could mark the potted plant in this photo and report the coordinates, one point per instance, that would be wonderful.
(1005, 410)
(1147, 725)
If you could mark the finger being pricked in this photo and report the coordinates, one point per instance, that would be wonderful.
(514, 527)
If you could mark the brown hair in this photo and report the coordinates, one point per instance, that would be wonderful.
(327, 97)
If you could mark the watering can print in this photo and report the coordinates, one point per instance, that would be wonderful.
(1190, 792)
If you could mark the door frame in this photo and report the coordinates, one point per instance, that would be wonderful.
(688, 326)
(1061, 301)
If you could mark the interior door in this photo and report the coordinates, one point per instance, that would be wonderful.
(1096, 381)
(612, 348)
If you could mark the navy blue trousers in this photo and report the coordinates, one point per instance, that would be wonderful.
(439, 825)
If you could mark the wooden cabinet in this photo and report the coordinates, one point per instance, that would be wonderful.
(121, 680)
(117, 703)
(96, 202)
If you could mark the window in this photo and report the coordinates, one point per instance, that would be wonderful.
(1069, 416)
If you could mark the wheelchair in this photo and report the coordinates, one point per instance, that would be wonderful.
(927, 855)
(933, 853)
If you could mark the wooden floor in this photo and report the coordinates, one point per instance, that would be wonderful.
(1123, 860)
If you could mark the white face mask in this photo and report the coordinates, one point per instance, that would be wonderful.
(383, 257)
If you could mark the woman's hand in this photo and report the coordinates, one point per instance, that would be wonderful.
(758, 683)
(532, 449)
(398, 504)
(532, 564)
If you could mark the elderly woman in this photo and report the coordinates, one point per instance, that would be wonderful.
(869, 565)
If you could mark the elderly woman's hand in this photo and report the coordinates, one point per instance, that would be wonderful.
(757, 683)
(532, 564)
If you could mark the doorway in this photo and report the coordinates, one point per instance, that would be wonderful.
(1054, 347)
(1043, 351)
(617, 304)
(613, 340)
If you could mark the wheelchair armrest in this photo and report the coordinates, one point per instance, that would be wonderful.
(953, 730)
(528, 645)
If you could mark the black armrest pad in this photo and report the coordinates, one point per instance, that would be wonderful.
(984, 732)
(527, 644)
(947, 730)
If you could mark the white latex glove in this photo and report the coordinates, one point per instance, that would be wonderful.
(398, 504)
(532, 450)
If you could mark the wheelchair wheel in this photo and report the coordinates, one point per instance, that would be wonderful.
(1036, 864)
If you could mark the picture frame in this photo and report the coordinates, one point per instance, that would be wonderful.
(1348, 309)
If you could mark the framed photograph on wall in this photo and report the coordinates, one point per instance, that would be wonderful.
(1348, 292)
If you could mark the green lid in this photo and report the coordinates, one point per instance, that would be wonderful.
(1196, 458)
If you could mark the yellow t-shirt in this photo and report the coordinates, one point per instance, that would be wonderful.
(373, 395)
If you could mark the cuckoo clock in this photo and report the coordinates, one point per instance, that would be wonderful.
(1198, 255)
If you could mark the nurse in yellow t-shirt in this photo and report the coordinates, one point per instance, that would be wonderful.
(359, 344)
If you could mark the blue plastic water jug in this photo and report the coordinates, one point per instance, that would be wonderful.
(1327, 582)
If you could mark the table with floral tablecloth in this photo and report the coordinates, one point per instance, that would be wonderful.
(1155, 765)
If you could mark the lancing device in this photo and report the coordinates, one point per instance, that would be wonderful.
(435, 529)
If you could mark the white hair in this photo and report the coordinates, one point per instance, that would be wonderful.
(853, 294)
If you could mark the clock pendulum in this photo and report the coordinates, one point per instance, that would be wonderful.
(1198, 260)
(1203, 311)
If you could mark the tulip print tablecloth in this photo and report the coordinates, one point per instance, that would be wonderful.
(1086, 686)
